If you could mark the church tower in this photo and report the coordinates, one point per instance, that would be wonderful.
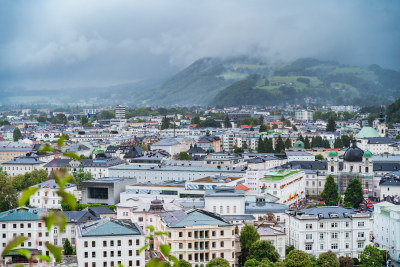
(382, 125)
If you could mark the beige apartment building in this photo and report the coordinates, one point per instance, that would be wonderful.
(197, 236)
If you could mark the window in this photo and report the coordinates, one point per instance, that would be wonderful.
(189, 234)
(112, 253)
(360, 244)
(214, 233)
(111, 243)
(137, 242)
(347, 245)
(308, 236)
(360, 234)
(180, 234)
(347, 234)
(321, 236)
(119, 243)
(334, 246)
(334, 225)
(119, 253)
(180, 245)
(321, 225)
(221, 209)
(222, 232)
(334, 235)
(308, 246)
(86, 254)
(321, 246)
(99, 193)
(215, 209)
(308, 226)
(347, 224)
(214, 244)
(93, 254)
(360, 224)
(85, 244)
(222, 244)
(140, 219)
(189, 245)
(104, 254)
(222, 255)
(93, 244)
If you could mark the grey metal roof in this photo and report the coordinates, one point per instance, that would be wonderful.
(224, 191)
(245, 217)
(262, 208)
(24, 161)
(108, 227)
(80, 216)
(380, 140)
(325, 212)
(99, 210)
(181, 219)
(58, 163)
(386, 166)
(52, 184)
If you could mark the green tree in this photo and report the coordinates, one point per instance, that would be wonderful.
(218, 262)
(268, 145)
(84, 120)
(298, 258)
(227, 122)
(263, 249)
(330, 193)
(346, 140)
(261, 120)
(288, 249)
(354, 193)
(68, 249)
(183, 263)
(371, 256)
(331, 127)
(263, 128)
(105, 115)
(319, 157)
(346, 261)
(16, 134)
(165, 123)
(209, 122)
(307, 144)
(81, 176)
(238, 150)
(294, 127)
(184, 156)
(248, 236)
(338, 143)
(328, 259)
(280, 145)
(256, 263)
(288, 143)
(196, 120)
(42, 117)
(59, 118)
(5, 122)
(8, 194)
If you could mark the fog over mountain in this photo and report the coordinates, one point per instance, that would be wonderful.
(56, 44)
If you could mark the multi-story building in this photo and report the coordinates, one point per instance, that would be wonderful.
(304, 115)
(21, 165)
(317, 230)
(109, 242)
(46, 197)
(277, 238)
(387, 228)
(159, 173)
(10, 150)
(197, 236)
(120, 112)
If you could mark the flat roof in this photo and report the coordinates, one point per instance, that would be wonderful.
(278, 175)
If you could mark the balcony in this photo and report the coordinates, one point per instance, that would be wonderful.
(309, 241)
(361, 238)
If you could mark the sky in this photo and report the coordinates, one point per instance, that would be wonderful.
(58, 43)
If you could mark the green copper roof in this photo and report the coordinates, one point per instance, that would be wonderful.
(22, 214)
(109, 227)
(299, 144)
(367, 154)
(195, 217)
(367, 132)
(333, 153)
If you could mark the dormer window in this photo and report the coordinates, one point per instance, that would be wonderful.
(333, 215)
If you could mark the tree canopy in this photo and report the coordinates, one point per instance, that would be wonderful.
(298, 258)
(371, 256)
(354, 193)
(263, 249)
(331, 127)
(328, 259)
(16, 134)
(218, 262)
(248, 236)
(330, 193)
(8, 194)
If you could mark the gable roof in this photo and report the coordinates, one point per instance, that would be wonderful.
(108, 227)
(80, 216)
(20, 214)
(181, 219)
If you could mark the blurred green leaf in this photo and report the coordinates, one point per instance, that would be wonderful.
(161, 233)
(46, 148)
(67, 198)
(151, 227)
(174, 260)
(165, 249)
(144, 247)
(72, 155)
(43, 257)
(60, 141)
(56, 251)
(62, 178)
(55, 218)
(18, 240)
(154, 262)
(26, 194)
(24, 252)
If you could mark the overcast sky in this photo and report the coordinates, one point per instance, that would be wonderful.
(53, 44)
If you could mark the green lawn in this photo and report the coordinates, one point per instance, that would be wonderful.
(291, 81)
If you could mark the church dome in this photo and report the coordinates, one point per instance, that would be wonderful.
(333, 153)
(367, 154)
(353, 153)
(299, 144)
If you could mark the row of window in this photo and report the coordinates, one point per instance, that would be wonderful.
(111, 253)
(309, 226)
(202, 234)
(111, 263)
(334, 235)
(111, 243)
(334, 246)
(204, 245)
(203, 256)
